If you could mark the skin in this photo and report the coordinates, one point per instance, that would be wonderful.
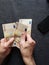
(26, 48)
(4, 48)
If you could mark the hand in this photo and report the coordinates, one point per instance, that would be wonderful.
(4, 48)
(27, 48)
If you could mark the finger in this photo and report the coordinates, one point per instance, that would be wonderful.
(3, 40)
(22, 40)
(29, 39)
(7, 44)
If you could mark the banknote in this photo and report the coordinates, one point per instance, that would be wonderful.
(9, 31)
(14, 30)
(27, 22)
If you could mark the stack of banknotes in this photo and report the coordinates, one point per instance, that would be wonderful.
(16, 29)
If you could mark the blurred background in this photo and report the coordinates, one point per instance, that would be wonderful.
(38, 10)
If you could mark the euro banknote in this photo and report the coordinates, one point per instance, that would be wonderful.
(16, 29)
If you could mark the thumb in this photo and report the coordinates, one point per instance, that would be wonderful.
(8, 43)
(22, 39)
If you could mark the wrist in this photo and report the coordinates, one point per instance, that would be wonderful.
(1, 58)
(29, 61)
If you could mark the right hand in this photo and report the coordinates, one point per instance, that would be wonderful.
(27, 49)
(4, 48)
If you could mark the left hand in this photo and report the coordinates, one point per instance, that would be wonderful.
(4, 48)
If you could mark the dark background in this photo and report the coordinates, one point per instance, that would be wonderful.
(13, 10)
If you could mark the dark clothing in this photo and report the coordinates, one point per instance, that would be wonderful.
(14, 58)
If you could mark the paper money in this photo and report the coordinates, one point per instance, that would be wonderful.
(14, 30)
(10, 30)
(27, 22)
